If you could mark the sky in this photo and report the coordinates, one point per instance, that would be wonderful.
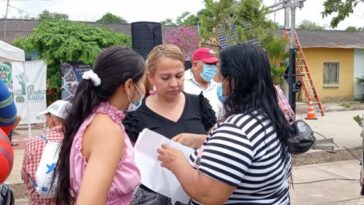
(159, 10)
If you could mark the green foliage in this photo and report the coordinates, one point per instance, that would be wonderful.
(341, 8)
(360, 81)
(359, 120)
(57, 41)
(111, 18)
(247, 17)
(309, 25)
(168, 22)
(354, 29)
(241, 21)
(46, 15)
(187, 19)
(277, 54)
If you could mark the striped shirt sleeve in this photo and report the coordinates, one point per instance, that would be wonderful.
(226, 155)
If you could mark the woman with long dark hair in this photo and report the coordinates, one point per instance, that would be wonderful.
(244, 160)
(96, 164)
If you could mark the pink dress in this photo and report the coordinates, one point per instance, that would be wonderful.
(127, 176)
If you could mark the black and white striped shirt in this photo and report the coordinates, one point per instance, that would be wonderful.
(246, 153)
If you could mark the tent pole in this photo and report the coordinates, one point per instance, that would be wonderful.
(27, 100)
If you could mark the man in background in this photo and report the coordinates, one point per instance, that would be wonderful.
(200, 78)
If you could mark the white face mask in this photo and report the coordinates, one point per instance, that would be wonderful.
(135, 105)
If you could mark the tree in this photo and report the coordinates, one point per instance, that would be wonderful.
(168, 22)
(46, 15)
(111, 18)
(309, 25)
(185, 38)
(187, 19)
(57, 41)
(353, 29)
(241, 20)
(277, 54)
(342, 9)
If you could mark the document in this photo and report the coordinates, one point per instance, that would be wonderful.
(155, 177)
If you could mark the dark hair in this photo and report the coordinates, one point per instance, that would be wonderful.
(114, 66)
(247, 68)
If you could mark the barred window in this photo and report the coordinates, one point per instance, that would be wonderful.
(331, 74)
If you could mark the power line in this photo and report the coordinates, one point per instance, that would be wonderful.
(21, 10)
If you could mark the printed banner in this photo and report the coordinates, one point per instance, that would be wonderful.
(6, 75)
(29, 86)
(71, 75)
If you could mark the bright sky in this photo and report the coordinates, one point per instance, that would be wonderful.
(158, 10)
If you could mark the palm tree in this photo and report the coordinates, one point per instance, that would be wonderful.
(276, 50)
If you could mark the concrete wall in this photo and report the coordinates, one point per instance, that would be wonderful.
(358, 72)
(316, 57)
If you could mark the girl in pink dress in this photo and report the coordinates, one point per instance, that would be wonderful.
(96, 164)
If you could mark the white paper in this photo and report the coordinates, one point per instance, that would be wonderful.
(155, 177)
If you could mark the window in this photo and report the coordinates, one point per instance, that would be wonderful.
(331, 74)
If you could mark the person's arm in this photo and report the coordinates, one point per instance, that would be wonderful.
(194, 141)
(106, 145)
(197, 185)
(218, 173)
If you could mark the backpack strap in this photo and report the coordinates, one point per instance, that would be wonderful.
(32, 181)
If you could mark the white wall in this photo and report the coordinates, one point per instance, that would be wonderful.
(358, 72)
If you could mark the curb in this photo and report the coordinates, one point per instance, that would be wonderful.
(321, 156)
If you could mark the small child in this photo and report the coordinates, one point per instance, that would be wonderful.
(55, 115)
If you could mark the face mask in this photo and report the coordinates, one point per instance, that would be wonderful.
(135, 105)
(220, 93)
(209, 71)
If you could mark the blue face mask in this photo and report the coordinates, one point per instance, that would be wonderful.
(209, 71)
(220, 93)
(135, 105)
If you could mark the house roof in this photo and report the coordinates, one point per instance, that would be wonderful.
(16, 28)
(331, 39)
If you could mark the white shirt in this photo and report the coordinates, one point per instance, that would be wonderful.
(191, 86)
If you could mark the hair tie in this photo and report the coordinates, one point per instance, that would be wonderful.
(91, 75)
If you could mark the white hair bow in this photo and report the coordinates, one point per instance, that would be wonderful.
(91, 75)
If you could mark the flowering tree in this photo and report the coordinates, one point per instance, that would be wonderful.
(185, 37)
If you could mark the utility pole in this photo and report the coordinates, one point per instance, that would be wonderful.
(292, 59)
(289, 7)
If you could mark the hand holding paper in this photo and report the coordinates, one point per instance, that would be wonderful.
(153, 175)
(169, 156)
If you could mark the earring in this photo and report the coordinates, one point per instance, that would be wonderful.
(153, 91)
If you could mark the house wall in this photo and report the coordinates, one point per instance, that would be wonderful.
(358, 72)
(316, 57)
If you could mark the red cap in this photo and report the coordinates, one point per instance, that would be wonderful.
(205, 55)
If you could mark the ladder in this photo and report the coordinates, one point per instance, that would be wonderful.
(304, 74)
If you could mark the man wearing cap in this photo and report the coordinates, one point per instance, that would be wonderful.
(55, 115)
(200, 78)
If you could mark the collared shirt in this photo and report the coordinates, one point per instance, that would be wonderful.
(193, 87)
(32, 155)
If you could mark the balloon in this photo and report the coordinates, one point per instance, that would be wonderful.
(6, 156)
